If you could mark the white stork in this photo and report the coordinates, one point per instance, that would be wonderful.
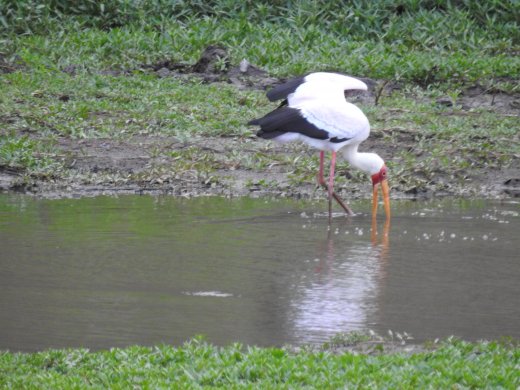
(314, 110)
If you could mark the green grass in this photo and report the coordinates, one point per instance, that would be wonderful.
(422, 42)
(283, 50)
(20, 153)
(197, 364)
(90, 106)
(40, 106)
(442, 46)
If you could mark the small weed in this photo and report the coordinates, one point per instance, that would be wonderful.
(24, 154)
(345, 339)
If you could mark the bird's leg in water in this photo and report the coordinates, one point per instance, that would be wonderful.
(331, 181)
(322, 182)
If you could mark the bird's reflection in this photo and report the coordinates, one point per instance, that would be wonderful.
(340, 293)
(382, 242)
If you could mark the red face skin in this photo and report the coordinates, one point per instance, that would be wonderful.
(380, 178)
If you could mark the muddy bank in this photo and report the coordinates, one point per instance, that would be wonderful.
(247, 166)
(226, 167)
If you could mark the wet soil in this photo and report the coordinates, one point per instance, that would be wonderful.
(150, 164)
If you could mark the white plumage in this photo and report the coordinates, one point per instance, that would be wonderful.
(338, 119)
(314, 111)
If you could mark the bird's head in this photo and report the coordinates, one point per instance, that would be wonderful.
(379, 178)
(373, 165)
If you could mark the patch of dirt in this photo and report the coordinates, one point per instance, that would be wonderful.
(105, 155)
(503, 103)
(230, 166)
(478, 97)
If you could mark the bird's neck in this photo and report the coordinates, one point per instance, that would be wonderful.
(369, 163)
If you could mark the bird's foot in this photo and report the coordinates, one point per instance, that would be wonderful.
(343, 205)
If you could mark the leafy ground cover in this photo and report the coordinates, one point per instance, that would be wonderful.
(106, 98)
(418, 41)
(143, 132)
(198, 364)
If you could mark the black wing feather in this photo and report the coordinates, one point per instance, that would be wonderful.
(284, 102)
(283, 90)
(287, 120)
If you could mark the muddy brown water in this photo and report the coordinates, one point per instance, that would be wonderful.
(106, 272)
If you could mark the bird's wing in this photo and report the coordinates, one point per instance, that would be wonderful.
(314, 93)
(344, 81)
(283, 90)
(287, 120)
(294, 86)
(341, 120)
(338, 123)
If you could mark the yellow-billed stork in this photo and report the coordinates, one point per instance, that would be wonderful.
(314, 110)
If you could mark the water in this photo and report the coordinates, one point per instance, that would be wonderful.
(107, 272)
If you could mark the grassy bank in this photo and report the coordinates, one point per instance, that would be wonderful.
(55, 126)
(453, 364)
(78, 84)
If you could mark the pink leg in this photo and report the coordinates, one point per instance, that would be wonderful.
(321, 180)
(329, 188)
(331, 181)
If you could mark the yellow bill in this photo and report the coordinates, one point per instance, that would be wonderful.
(385, 189)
